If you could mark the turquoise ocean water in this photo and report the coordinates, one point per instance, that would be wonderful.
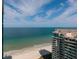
(17, 38)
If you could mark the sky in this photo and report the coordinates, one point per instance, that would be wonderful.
(40, 13)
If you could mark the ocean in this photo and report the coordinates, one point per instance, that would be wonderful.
(18, 38)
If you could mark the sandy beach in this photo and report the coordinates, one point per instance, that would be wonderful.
(29, 53)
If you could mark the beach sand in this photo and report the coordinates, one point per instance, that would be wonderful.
(29, 53)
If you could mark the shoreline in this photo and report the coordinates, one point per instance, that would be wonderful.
(27, 51)
(8, 46)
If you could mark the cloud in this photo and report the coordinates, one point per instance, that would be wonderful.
(42, 13)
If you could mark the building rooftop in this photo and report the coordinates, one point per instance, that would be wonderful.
(67, 33)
